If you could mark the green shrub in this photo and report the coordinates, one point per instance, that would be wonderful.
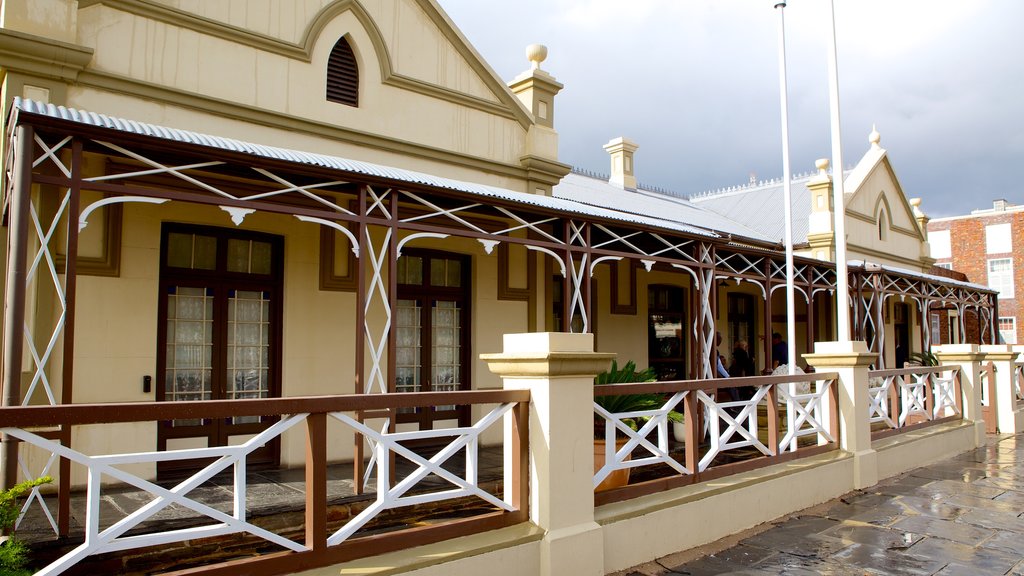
(13, 557)
(924, 359)
(628, 402)
(14, 554)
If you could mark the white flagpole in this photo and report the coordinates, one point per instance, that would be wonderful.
(787, 193)
(838, 193)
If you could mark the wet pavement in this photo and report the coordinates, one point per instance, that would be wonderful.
(964, 515)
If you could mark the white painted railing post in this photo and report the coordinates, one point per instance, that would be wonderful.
(1008, 419)
(851, 361)
(968, 358)
(559, 371)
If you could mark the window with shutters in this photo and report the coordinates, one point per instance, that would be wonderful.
(343, 74)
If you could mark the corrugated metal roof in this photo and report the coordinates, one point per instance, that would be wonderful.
(763, 208)
(346, 165)
(598, 192)
(922, 275)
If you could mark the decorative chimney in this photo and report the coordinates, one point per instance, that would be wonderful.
(1000, 205)
(622, 173)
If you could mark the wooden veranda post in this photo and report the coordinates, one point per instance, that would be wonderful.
(14, 311)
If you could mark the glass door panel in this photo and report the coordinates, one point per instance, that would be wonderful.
(189, 371)
(429, 321)
(446, 357)
(248, 343)
(408, 365)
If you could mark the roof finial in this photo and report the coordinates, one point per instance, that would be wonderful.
(536, 53)
(822, 165)
(874, 138)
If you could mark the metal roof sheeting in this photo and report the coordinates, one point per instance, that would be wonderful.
(596, 192)
(763, 208)
(346, 165)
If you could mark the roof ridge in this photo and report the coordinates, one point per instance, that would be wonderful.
(771, 182)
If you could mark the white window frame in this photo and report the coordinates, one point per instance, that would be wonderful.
(941, 244)
(936, 329)
(946, 265)
(1011, 330)
(1003, 281)
(998, 239)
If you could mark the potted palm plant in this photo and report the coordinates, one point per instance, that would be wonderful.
(621, 404)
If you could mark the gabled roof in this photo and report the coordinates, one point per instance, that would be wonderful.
(877, 158)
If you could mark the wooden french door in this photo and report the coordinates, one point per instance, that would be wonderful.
(432, 332)
(219, 333)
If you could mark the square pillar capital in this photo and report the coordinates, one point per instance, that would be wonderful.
(548, 355)
(853, 354)
(958, 353)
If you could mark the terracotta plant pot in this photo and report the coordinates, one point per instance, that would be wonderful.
(618, 478)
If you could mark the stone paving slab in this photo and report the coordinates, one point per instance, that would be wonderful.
(964, 515)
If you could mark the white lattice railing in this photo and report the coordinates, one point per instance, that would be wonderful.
(723, 434)
(106, 472)
(911, 397)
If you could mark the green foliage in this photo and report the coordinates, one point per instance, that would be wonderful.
(626, 375)
(629, 402)
(924, 358)
(13, 557)
(14, 554)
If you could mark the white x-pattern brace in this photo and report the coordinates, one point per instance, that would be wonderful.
(388, 497)
(744, 424)
(653, 420)
(580, 274)
(913, 396)
(807, 411)
(111, 539)
(378, 288)
(826, 276)
(778, 270)
(43, 253)
(51, 154)
(944, 394)
(878, 395)
(35, 495)
(745, 264)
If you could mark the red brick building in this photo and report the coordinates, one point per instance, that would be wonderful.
(988, 247)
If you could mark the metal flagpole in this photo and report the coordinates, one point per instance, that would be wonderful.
(788, 196)
(838, 194)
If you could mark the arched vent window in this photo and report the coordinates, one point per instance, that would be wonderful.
(883, 225)
(343, 75)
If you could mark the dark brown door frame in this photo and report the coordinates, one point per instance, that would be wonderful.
(427, 295)
(222, 283)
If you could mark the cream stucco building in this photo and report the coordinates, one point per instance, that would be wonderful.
(226, 200)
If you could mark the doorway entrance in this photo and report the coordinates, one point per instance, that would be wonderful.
(219, 334)
(666, 331)
(432, 333)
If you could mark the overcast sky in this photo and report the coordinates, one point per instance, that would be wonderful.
(695, 84)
